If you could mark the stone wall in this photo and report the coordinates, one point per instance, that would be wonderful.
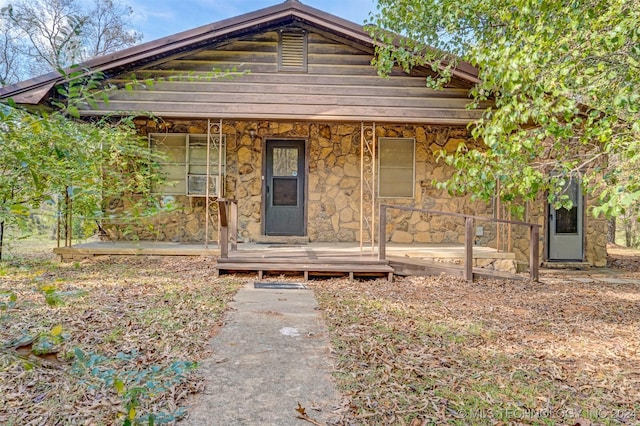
(183, 221)
(333, 182)
(596, 235)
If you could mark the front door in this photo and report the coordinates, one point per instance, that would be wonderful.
(566, 235)
(285, 187)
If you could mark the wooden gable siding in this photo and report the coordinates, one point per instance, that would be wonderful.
(340, 84)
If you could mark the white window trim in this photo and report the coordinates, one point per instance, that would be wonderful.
(186, 163)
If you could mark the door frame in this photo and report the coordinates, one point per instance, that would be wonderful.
(305, 196)
(549, 223)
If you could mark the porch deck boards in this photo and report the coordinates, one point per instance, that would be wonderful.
(134, 248)
(306, 261)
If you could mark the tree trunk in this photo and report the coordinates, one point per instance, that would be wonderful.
(628, 232)
(611, 231)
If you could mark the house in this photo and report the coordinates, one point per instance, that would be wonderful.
(306, 137)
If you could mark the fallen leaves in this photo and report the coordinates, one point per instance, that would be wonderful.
(123, 337)
(624, 258)
(414, 352)
(302, 415)
(438, 350)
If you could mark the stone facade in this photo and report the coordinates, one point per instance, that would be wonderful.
(596, 237)
(333, 188)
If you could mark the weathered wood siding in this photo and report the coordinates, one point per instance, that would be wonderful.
(340, 84)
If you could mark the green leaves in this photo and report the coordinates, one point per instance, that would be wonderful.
(48, 156)
(563, 78)
(8, 300)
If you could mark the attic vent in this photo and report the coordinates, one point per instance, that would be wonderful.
(292, 51)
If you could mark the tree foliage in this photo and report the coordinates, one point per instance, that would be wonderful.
(564, 78)
(51, 35)
(47, 156)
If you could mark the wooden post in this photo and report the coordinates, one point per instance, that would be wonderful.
(206, 186)
(509, 237)
(59, 222)
(382, 233)
(498, 207)
(68, 221)
(224, 229)
(534, 233)
(2, 237)
(233, 225)
(468, 249)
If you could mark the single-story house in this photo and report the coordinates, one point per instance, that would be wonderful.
(306, 137)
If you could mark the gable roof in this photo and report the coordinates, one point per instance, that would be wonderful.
(34, 90)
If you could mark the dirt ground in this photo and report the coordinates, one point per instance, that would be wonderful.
(623, 259)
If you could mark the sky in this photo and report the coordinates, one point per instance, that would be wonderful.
(160, 18)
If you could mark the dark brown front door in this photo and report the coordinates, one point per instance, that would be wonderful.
(285, 187)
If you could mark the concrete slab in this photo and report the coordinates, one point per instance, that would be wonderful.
(583, 280)
(271, 354)
(614, 280)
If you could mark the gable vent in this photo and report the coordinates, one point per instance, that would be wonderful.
(292, 51)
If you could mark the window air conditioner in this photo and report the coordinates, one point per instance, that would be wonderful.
(196, 185)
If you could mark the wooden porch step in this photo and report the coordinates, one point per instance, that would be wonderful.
(308, 269)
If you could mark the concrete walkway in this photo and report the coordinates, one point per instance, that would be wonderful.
(271, 354)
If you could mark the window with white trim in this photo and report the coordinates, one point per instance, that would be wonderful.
(396, 167)
(183, 163)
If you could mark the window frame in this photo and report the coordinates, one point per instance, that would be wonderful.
(381, 167)
(186, 146)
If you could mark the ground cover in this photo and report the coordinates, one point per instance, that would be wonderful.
(439, 350)
(114, 341)
(104, 342)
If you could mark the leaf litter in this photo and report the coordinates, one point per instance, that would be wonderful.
(439, 350)
(123, 338)
(419, 351)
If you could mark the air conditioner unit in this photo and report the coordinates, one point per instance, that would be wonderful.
(196, 185)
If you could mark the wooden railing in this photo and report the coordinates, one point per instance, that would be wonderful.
(534, 236)
(228, 215)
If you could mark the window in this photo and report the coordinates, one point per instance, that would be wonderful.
(396, 167)
(292, 51)
(184, 163)
(285, 172)
(567, 219)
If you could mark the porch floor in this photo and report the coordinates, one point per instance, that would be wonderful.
(317, 259)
